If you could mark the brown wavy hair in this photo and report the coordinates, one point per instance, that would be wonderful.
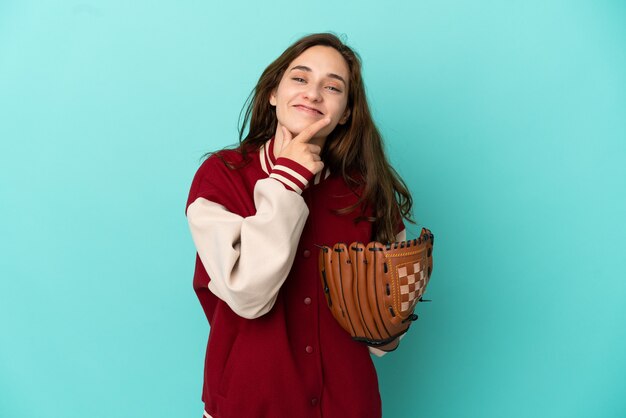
(354, 149)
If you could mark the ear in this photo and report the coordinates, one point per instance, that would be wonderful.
(273, 97)
(345, 117)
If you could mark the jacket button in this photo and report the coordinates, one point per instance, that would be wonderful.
(306, 253)
(307, 301)
(309, 349)
(314, 401)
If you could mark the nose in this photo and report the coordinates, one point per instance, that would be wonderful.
(312, 93)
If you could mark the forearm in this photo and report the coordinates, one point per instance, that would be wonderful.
(248, 259)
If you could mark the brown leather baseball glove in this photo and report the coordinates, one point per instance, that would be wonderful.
(372, 289)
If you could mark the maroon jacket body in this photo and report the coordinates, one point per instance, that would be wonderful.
(294, 361)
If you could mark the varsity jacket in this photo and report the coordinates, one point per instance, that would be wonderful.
(274, 349)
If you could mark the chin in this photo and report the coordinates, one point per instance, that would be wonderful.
(295, 128)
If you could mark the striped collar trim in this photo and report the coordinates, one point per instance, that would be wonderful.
(266, 156)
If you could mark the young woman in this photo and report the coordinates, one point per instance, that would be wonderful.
(311, 171)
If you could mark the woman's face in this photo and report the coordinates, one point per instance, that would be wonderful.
(314, 86)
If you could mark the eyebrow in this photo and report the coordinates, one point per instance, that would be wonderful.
(331, 75)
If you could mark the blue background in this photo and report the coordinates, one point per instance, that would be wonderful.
(507, 120)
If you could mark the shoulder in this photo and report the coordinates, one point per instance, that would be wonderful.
(215, 175)
(226, 160)
(223, 159)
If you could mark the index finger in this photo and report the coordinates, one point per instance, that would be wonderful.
(311, 130)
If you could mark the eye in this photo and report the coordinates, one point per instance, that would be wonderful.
(298, 79)
(333, 88)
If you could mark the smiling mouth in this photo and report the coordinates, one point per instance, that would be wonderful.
(308, 109)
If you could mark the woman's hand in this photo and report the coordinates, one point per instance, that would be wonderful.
(300, 150)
